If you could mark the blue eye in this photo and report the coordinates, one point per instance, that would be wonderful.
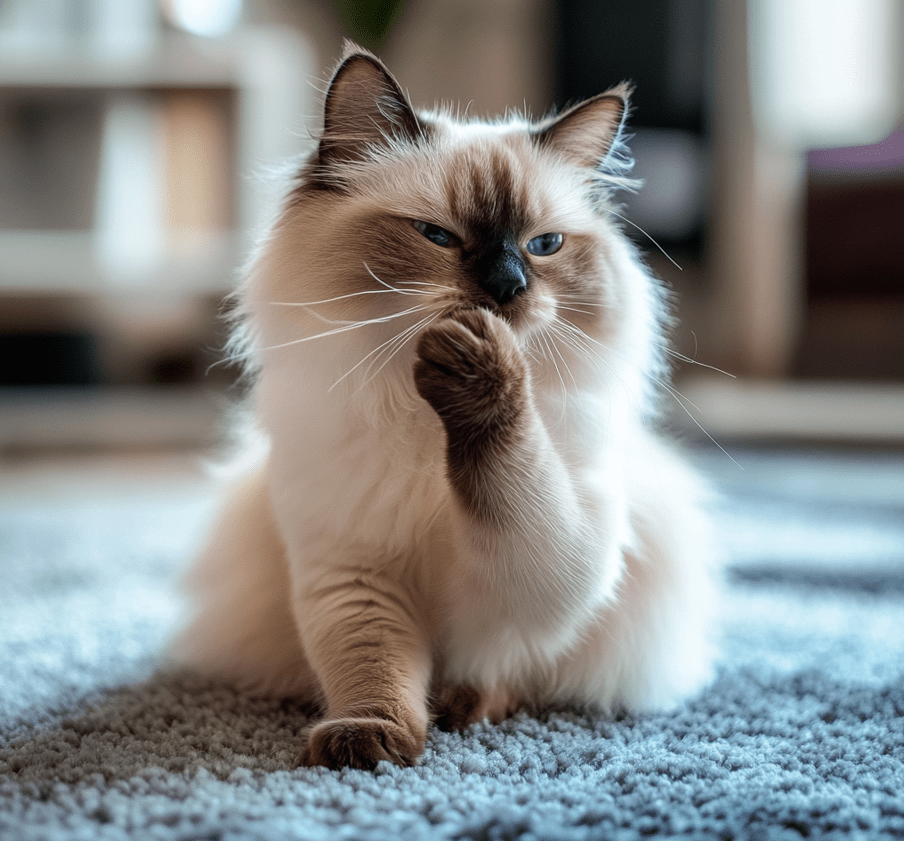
(437, 235)
(545, 244)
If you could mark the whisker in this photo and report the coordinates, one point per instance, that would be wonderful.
(552, 337)
(608, 349)
(579, 341)
(581, 301)
(572, 309)
(691, 361)
(676, 395)
(403, 338)
(552, 358)
(324, 320)
(377, 350)
(390, 286)
(625, 359)
(549, 344)
(634, 224)
(432, 285)
(344, 297)
(353, 326)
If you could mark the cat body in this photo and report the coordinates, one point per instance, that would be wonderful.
(459, 508)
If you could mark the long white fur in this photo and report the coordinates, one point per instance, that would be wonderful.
(599, 594)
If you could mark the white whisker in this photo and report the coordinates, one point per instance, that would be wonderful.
(581, 301)
(579, 340)
(634, 224)
(387, 285)
(691, 361)
(324, 320)
(344, 297)
(572, 309)
(552, 336)
(552, 358)
(428, 283)
(676, 395)
(353, 326)
(614, 352)
(402, 339)
(377, 350)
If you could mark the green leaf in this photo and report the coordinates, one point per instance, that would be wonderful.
(368, 21)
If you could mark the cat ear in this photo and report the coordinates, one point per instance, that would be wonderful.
(584, 133)
(364, 107)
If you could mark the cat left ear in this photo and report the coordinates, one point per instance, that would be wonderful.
(584, 134)
(364, 107)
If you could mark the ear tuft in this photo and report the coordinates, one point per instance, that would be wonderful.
(586, 132)
(364, 107)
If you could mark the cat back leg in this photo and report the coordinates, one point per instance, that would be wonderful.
(455, 706)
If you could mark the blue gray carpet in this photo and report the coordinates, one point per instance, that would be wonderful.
(801, 734)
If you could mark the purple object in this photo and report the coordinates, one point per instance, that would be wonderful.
(885, 157)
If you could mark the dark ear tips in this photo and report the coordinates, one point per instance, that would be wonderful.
(364, 107)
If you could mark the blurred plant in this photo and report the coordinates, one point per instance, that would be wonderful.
(368, 21)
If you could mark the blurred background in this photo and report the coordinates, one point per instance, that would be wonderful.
(143, 142)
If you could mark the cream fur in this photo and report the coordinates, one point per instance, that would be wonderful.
(598, 587)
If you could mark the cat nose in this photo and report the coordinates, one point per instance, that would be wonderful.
(501, 272)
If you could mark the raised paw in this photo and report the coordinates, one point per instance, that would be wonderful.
(470, 370)
(360, 743)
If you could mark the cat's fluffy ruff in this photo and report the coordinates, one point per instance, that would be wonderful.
(473, 517)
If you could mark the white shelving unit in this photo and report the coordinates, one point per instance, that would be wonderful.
(134, 178)
(144, 171)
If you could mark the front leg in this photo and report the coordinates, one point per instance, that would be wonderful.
(536, 548)
(473, 375)
(371, 657)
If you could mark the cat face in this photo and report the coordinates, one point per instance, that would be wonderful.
(401, 218)
(482, 221)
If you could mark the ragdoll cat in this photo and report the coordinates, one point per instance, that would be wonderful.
(460, 509)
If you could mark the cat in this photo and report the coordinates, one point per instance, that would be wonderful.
(460, 507)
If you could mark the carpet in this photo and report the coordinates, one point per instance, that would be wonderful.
(800, 735)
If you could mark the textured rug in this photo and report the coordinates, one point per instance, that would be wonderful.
(800, 735)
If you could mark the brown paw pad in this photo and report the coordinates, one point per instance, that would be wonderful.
(469, 365)
(359, 743)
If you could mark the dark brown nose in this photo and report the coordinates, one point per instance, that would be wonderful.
(501, 272)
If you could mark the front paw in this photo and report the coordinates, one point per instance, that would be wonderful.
(360, 743)
(471, 371)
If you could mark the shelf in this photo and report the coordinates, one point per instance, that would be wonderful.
(134, 171)
(123, 418)
(173, 63)
(49, 262)
(783, 410)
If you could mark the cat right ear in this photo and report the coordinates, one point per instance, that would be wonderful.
(585, 133)
(365, 107)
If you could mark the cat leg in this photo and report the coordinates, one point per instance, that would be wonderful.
(538, 553)
(371, 657)
(455, 706)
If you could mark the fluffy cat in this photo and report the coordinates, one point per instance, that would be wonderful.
(460, 508)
